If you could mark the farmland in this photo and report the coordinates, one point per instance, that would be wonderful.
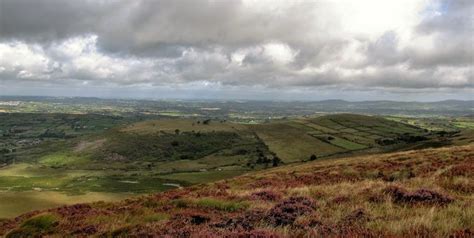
(98, 154)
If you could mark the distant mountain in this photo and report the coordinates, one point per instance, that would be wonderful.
(273, 108)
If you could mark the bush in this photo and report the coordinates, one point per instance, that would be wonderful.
(246, 221)
(161, 147)
(421, 196)
(286, 212)
(267, 195)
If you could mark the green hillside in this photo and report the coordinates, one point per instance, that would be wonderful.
(158, 155)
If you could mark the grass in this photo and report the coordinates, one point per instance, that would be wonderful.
(184, 125)
(20, 169)
(350, 199)
(149, 161)
(41, 222)
(292, 144)
(291, 140)
(204, 177)
(63, 159)
(349, 196)
(343, 143)
(78, 166)
(16, 203)
(228, 206)
(36, 226)
(155, 217)
(464, 124)
(119, 184)
(121, 221)
(17, 183)
(211, 203)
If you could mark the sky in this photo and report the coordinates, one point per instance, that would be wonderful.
(239, 49)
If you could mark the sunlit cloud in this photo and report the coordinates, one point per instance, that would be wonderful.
(288, 46)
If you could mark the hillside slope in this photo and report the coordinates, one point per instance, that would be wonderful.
(157, 155)
(415, 193)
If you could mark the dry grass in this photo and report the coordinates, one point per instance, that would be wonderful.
(424, 193)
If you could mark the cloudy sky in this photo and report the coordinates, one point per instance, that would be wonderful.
(239, 49)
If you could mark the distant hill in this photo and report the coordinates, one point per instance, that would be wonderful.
(405, 194)
(226, 108)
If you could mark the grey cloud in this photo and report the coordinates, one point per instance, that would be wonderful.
(453, 29)
(48, 20)
(384, 51)
(183, 42)
(453, 16)
(147, 27)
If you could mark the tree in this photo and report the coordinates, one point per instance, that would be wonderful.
(276, 161)
(174, 143)
(313, 157)
(176, 131)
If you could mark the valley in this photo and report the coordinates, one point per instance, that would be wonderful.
(89, 157)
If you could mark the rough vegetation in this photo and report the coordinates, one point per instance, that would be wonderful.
(404, 194)
(157, 155)
(286, 212)
(420, 196)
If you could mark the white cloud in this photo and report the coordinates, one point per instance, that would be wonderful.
(279, 53)
(407, 44)
(24, 61)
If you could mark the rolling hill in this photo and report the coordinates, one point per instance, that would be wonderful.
(159, 155)
(424, 193)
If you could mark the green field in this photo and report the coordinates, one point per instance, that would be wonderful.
(205, 176)
(296, 140)
(292, 143)
(14, 203)
(156, 155)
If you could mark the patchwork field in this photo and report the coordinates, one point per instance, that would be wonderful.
(184, 125)
(159, 155)
(296, 140)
